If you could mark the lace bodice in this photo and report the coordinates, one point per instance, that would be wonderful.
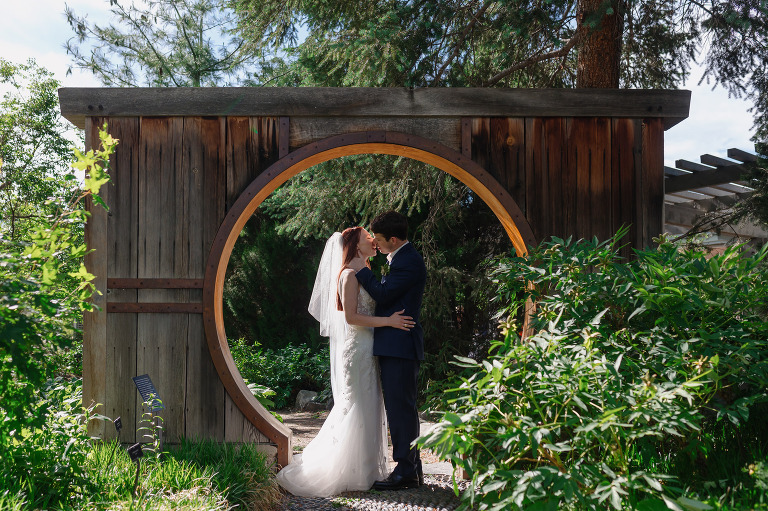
(365, 304)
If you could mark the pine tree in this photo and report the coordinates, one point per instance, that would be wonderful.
(164, 43)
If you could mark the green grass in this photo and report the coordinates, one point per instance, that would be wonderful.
(191, 476)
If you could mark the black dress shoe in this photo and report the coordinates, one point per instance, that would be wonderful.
(397, 482)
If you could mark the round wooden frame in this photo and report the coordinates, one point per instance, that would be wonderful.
(371, 142)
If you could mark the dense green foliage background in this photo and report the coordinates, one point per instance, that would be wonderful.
(642, 386)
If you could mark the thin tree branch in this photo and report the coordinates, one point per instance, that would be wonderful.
(460, 41)
(184, 31)
(159, 56)
(562, 52)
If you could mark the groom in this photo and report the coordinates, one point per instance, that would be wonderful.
(400, 352)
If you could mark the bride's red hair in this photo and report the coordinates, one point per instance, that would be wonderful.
(350, 238)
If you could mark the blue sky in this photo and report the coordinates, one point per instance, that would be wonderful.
(37, 29)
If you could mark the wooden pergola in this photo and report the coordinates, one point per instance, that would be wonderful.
(194, 164)
(694, 189)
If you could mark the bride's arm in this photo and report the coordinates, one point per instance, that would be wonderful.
(349, 290)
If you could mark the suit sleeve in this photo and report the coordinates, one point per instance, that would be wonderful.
(400, 279)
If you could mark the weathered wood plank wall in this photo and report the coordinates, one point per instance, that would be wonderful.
(172, 181)
(95, 322)
(122, 253)
(579, 177)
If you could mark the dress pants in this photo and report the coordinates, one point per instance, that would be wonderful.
(399, 377)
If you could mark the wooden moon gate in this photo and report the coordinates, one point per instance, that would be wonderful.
(192, 165)
(398, 144)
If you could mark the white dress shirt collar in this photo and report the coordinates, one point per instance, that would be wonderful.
(391, 255)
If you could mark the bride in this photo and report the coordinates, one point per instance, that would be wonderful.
(349, 452)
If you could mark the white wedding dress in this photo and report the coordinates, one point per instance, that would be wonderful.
(349, 452)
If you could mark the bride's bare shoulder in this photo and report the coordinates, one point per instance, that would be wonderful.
(347, 273)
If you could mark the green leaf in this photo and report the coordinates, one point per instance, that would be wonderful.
(653, 483)
(651, 505)
(692, 505)
(465, 361)
(454, 419)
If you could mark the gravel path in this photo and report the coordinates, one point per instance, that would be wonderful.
(435, 495)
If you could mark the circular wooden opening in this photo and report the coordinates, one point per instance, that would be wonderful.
(396, 144)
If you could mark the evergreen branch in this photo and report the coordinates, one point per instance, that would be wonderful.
(223, 61)
(534, 59)
(184, 31)
(157, 54)
(461, 39)
(703, 7)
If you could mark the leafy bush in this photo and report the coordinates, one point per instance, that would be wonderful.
(44, 287)
(48, 465)
(628, 357)
(286, 370)
(268, 286)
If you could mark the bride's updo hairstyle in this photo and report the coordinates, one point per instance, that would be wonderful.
(350, 238)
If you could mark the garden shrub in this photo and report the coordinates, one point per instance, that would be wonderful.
(47, 465)
(44, 288)
(627, 356)
(286, 370)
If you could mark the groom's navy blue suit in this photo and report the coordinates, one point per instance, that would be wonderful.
(399, 351)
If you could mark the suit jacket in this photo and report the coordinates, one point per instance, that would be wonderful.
(402, 288)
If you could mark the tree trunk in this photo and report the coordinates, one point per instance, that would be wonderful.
(600, 50)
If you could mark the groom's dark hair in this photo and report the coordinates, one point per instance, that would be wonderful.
(390, 224)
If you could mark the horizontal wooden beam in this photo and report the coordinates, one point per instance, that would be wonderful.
(692, 166)
(742, 156)
(79, 103)
(154, 283)
(145, 307)
(716, 161)
(703, 178)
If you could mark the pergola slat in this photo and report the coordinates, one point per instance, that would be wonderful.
(701, 179)
(692, 166)
(675, 199)
(742, 156)
(672, 171)
(716, 161)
